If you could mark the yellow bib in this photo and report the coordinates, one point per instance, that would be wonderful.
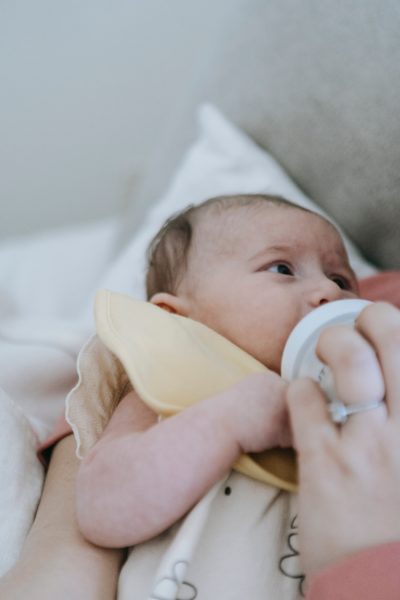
(173, 362)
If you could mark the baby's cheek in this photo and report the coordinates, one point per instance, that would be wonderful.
(275, 350)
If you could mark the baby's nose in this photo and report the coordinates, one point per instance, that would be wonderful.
(325, 290)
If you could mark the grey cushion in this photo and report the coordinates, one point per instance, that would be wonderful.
(317, 84)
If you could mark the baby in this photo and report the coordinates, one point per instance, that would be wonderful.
(249, 267)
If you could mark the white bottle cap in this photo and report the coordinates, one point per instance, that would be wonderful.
(299, 359)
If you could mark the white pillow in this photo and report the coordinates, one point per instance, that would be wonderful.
(223, 160)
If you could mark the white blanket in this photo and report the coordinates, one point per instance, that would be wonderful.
(21, 480)
(42, 294)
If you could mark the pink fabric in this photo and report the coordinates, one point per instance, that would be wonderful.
(383, 286)
(373, 574)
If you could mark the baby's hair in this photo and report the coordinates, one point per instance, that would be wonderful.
(167, 254)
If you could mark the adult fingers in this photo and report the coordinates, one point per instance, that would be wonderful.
(309, 417)
(379, 323)
(357, 375)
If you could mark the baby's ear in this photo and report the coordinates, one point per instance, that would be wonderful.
(170, 303)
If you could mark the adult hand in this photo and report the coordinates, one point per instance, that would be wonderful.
(349, 494)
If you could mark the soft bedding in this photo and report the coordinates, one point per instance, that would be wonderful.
(21, 479)
(41, 331)
(47, 289)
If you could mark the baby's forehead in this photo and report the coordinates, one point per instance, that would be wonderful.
(216, 229)
(224, 231)
(218, 223)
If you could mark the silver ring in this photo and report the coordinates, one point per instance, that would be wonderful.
(341, 412)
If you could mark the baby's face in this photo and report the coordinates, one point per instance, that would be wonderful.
(253, 273)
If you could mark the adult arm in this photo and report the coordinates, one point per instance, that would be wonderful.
(350, 475)
(143, 475)
(56, 561)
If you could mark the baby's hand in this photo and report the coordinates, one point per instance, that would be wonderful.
(257, 411)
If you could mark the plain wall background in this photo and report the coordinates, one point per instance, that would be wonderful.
(86, 86)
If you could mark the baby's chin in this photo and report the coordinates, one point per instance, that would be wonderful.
(275, 368)
(273, 361)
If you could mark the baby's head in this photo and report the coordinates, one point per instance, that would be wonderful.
(250, 267)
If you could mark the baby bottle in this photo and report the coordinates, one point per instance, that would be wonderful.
(299, 358)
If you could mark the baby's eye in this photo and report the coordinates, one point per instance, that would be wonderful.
(342, 282)
(281, 268)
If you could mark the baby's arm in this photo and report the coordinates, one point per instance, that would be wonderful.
(143, 475)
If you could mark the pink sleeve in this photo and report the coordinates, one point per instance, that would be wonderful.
(367, 575)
